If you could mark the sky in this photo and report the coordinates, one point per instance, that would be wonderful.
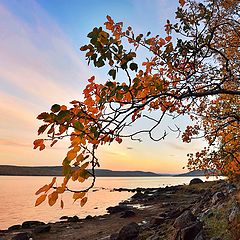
(41, 64)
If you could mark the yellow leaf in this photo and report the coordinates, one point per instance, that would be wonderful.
(45, 188)
(83, 201)
(52, 198)
(78, 195)
(40, 199)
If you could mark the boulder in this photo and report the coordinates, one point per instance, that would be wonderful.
(130, 231)
(30, 224)
(14, 227)
(42, 229)
(199, 236)
(191, 232)
(195, 181)
(127, 214)
(184, 220)
(21, 236)
(64, 218)
(117, 209)
(138, 195)
(73, 219)
(88, 217)
(217, 197)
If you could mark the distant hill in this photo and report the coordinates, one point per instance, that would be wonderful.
(196, 173)
(9, 170)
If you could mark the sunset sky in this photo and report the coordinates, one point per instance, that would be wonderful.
(41, 64)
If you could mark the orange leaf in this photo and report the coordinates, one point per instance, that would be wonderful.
(168, 38)
(63, 107)
(40, 199)
(78, 195)
(83, 201)
(45, 188)
(91, 79)
(53, 142)
(71, 155)
(81, 179)
(62, 204)
(60, 189)
(53, 181)
(52, 198)
(182, 2)
(84, 165)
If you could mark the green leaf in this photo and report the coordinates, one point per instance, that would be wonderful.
(124, 66)
(112, 73)
(133, 67)
(78, 126)
(55, 108)
(62, 114)
(109, 84)
(100, 63)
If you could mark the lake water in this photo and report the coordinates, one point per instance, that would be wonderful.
(17, 197)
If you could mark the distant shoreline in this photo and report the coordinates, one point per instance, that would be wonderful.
(11, 170)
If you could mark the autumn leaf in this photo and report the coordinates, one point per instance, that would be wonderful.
(42, 128)
(78, 195)
(39, 143)
(71, 155)
(83, 201)
(91, 79)
(45, 188)
(40, 200)
(53, 181)
(53, 142)
(118, 139)
(52, 198)
(168, 38)
(182, 2)
(62, 204)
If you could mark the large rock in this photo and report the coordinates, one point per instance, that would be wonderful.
(117, 209)
(138, 195)
(191, 232)
(30, 224)
(184, 220)
(73, 219)
(127, 214)
(195, 181)
(130, 231)
(21, 236)
(15, 227)
(42, 229)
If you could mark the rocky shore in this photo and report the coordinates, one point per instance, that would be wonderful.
(209, 210)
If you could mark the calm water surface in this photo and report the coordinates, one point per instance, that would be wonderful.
(17, 197)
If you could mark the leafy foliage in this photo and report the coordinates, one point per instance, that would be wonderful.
(193, 72)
